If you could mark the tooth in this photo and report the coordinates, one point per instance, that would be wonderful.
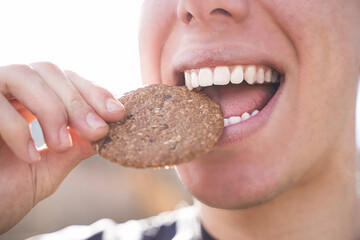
(260, 76)
(226, 122)
(194, 80)
(205, 77)
(254, 113)
(235, 119)
(188, 81)
(268, 76)
(245, 116)
(250, 74)
(221, 76)
(237, 76)
(274, 77)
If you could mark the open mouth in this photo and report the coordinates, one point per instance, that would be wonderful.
(242, 91)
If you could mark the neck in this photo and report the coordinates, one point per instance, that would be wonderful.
(321, 207)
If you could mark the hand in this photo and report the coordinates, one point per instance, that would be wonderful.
(71, 111)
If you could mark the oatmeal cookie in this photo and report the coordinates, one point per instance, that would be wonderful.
(164, 126)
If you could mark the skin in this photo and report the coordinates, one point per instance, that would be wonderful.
(298, 170)
(27, 175)
(294, 178)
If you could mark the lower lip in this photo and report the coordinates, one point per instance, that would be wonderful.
(237, 133)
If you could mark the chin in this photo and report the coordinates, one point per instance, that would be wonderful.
(228, 179)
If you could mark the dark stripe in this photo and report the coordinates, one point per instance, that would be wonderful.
(205, 235)
(97, 236)
(165, 232)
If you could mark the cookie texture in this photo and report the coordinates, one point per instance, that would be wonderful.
(164, 126)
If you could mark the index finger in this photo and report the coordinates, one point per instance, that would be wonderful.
(20, 108)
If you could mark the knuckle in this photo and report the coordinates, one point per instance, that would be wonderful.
(17, 72)
(59, 107)
(100, 91)
(56, 107)
(76, 101)
(13, 77)
(49, 66)
(21, 68)
(70, 74)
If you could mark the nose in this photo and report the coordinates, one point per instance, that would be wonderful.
(204, 10)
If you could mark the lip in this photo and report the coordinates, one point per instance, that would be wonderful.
(227, 55)
(236, 133)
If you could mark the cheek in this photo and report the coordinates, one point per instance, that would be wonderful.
(322, 93)
(157, 19)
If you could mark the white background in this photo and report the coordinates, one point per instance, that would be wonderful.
(97, 39)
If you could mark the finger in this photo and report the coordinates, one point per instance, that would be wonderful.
(57, 166)
(104, 103)
(29, 117)
(82, 118)
(25, 85)
(15, 132)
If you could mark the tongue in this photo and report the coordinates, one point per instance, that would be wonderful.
(235, 100)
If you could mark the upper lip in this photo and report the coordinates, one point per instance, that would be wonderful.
(196, 58)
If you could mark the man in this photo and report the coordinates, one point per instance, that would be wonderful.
(285, 172)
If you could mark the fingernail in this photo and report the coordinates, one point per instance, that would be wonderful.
(95, 121)
(114, 106)
(65, 138)
(34, 154)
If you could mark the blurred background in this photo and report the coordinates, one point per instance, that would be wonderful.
(98, 40)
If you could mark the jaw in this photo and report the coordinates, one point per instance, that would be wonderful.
(240, 171)
(228, 178)
(235, 174)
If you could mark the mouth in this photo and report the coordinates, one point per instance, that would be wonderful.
(246, 94)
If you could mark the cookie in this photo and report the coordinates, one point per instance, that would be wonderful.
(164, 126)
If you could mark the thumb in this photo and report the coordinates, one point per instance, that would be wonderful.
(53, 167)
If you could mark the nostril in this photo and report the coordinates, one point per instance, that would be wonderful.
(220, 11)
(189, 17)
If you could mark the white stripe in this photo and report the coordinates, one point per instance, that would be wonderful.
(188, 224)
(187, 227)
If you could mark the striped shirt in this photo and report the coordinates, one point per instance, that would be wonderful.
(180, 224)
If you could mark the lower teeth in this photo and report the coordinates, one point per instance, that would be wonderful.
(237, 119)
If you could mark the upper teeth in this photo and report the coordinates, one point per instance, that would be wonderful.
(223, 75)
